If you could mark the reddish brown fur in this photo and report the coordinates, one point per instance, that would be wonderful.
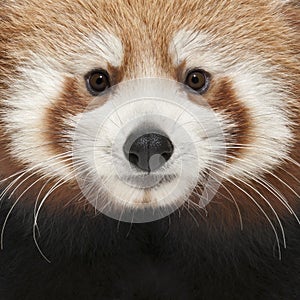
(36, 26)
(222, 98)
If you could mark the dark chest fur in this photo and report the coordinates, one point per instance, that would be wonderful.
(174, 258)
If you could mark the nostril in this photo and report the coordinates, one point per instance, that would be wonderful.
(167, 155)
(149, 151)
(133, 158)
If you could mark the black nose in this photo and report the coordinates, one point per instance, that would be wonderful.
(148, 152)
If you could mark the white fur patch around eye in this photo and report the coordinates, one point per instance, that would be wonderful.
(200, 50)
(185, 43)
(256, 89)
(29, 98)
(99, 50)
(40, 82)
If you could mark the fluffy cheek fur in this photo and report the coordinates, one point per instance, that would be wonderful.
(255, 109)
(42, 135)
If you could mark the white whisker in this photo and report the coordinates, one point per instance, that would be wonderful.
(261, 209)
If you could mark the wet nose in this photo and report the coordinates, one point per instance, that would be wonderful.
(149, 152)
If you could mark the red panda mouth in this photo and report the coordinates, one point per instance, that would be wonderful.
(152, 181)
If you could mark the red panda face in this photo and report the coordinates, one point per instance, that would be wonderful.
(136, 105)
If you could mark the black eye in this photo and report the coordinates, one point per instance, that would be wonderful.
(198, 80)
(97, 82)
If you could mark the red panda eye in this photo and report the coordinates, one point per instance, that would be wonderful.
(198, 80)
(97, 82)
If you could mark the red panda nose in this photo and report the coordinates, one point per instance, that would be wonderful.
(149, 152)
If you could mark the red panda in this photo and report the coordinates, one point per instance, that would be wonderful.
(149, 149)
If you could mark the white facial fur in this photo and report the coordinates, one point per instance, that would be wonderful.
(148, 105)
(271, 133)
(42, 81)
(98, 50)
(39, 84)
(30, 97)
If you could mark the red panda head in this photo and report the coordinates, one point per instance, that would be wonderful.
(135, 105)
